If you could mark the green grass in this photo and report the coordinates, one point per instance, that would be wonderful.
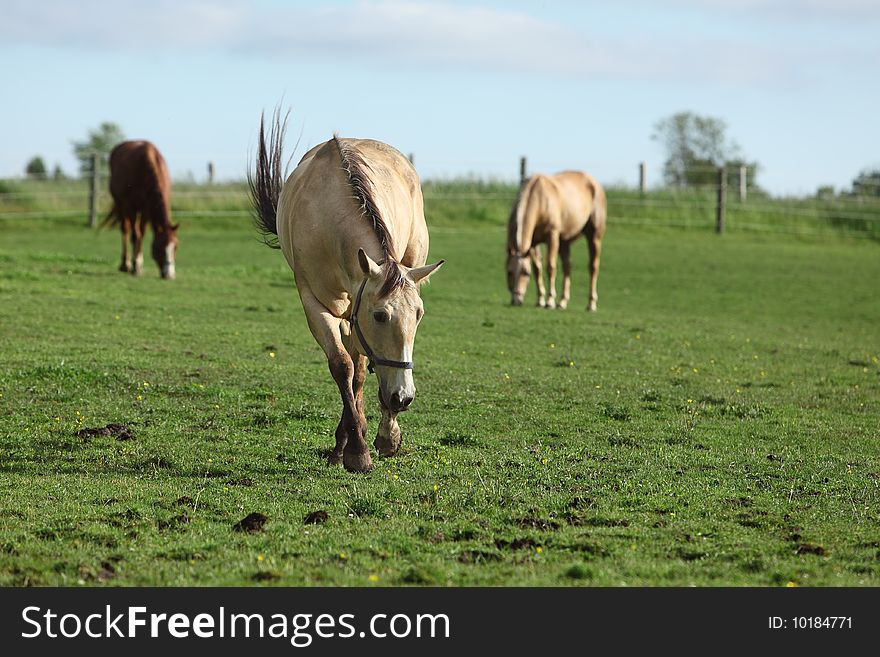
(715, 423)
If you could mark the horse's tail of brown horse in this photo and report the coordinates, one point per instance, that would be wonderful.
(111, 219)
(266, 182)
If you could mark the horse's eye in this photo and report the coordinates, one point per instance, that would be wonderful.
(419, 314)
(381, 316)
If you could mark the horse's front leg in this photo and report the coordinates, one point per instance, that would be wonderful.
(552, 254)
(538, 275)
(351, 446)
(388, 437)
(565, 256)
(137, 247)
(125, 228)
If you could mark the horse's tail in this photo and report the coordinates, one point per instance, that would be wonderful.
(265, 184)
(112, 218)
(600, 208)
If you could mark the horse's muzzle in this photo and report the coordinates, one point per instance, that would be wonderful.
(398, 403)
(516, 300)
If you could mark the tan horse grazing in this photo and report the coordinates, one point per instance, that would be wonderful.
(554, 210)
(350, 222)
(141, 189)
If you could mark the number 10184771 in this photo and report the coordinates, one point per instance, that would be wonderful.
(810, 623)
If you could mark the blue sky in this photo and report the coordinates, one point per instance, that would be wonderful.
(467, 87)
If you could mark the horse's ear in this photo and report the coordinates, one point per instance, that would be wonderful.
(175, 227)
(368, 266)
(419, 274)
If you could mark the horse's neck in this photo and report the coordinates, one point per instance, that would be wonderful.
(526, 219)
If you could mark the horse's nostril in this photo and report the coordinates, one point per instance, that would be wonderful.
(405, 402)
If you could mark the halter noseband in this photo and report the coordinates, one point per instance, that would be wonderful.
(372, 358)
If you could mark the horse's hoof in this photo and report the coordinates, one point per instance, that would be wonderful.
(387, 446)
(335, 458)
(550, 305)
(357, 462)
(591, 308)
(125, 269)
(563, 305)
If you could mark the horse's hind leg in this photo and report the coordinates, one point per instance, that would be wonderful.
(565, 256)
(594, 242)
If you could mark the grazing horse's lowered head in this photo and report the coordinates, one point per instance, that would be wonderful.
(384, 317)
(518, 274)
(164, 250)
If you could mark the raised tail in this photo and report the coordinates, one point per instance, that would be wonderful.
(111, 219)
(266, 182)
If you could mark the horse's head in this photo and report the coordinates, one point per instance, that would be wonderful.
(165, 249)
(388, 313)
(518, 272)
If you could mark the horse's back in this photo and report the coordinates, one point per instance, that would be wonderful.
(137, 169)
(322, 220)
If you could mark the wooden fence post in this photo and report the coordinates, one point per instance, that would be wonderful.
(522, 169)
(93, 193)
(722, 200)
(643, 179)
(743, 181)
(210, 173)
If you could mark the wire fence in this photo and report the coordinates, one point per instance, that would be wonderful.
(719, 207)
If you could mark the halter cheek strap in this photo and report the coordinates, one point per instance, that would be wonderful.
(372, 358)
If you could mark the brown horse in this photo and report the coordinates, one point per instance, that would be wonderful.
(350, 222)
(554, 210)
(141, 190)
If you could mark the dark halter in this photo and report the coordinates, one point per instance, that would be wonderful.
(373, 359)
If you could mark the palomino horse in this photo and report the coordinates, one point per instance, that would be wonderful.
(350, 222)
(555, 210)
(141, 190)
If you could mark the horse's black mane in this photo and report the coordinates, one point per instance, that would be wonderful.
(356, 170)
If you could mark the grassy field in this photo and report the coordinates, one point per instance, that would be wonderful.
(717, 422)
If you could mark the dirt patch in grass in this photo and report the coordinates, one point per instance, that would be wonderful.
(251, 523)
(316, 517)
(531, 522)
(240, 481)
(515, 544)
(478, 556)
(118, 431)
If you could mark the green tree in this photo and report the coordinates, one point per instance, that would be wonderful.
(36, 168)
(58, 173)
(100, 141)
(867, 183)
(695, 147)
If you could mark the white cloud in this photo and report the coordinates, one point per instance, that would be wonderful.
(401, 33)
